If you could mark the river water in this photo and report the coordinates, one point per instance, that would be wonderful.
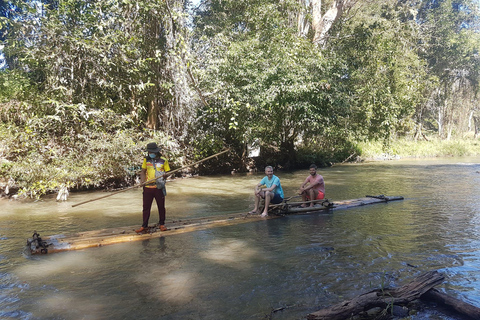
(300, 263)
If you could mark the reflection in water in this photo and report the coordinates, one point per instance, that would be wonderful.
(244, 271)
(233, 253)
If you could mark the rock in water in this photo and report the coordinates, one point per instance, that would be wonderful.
(62, 193)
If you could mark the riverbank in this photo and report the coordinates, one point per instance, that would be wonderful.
(408, 148)
(116, 163)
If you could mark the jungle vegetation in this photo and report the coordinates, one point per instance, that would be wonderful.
(86, 84)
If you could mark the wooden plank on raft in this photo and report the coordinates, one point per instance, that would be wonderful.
(98, 238)
(345, 204)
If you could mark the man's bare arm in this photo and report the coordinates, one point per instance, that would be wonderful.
(271, 188)
(143, 175)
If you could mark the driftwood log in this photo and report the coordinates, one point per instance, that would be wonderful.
(451, 303)
(420, 287)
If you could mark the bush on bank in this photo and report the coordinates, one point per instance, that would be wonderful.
(70, 146)
(84, 149)
(53, 145)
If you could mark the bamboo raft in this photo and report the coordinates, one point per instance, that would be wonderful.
(103, 237)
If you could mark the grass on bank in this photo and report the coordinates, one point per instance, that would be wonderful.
(408, 148)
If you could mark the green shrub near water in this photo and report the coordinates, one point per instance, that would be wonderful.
(70, 146)
(326, 151)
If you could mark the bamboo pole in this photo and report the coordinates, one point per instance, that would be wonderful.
(151, 180)
(307, 202)
(285, 202)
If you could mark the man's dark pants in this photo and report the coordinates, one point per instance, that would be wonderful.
(148, 195)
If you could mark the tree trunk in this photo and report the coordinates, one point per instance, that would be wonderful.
(322, 24)
(288, 154)
(418, 131)
(440, 122)
(302, 22)
(152, 120)
(476, 121)
(470, 117)
(316, 19)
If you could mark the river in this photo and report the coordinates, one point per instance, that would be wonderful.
(244, 271)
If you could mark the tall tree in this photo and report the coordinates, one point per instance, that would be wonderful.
(263, 81)
(450, 32)
(383, 71)
(122, 55)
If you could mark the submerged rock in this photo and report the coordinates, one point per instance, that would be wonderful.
(62, 193)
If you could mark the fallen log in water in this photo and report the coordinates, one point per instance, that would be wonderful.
(380, 298)
(454, 304)
(420, 287)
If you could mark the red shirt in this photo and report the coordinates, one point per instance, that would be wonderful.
(316, 182)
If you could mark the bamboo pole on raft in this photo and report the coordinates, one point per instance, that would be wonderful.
(149, 181)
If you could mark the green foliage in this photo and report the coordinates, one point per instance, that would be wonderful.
(270, 85)
(95, 149)
(14, 85)
(84, 78)
(382, 71)
(451, 41)
(325, 151)
(104, 54)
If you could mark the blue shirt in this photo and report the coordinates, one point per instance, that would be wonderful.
(275, 181)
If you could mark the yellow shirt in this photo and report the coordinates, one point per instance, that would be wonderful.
(160, 163)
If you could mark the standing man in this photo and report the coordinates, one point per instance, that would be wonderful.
(269, 189)
(315, 189)
(154, 165)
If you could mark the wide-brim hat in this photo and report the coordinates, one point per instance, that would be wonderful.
(152, 147)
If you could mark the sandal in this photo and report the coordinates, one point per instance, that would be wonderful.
(141, 230)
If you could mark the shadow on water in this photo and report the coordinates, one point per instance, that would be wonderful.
(299, 263)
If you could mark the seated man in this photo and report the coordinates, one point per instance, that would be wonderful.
(315, 189)
(272, 193)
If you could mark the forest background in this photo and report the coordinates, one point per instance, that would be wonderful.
(85, 85)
